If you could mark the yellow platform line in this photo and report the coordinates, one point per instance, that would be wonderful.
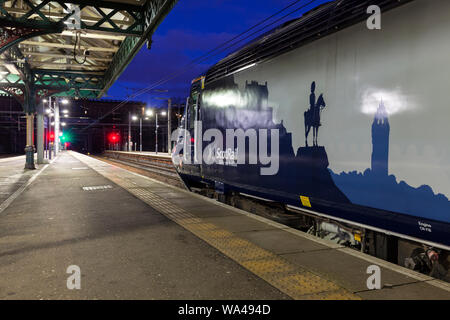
(294, 281)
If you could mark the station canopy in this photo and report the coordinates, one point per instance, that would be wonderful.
(72, 48)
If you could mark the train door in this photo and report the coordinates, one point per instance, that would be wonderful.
(194, 130)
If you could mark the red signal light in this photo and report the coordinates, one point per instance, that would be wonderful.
(51, 136)
(114, 138)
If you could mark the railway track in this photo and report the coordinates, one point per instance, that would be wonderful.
(159, 166)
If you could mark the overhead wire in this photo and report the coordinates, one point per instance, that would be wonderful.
(209, 56)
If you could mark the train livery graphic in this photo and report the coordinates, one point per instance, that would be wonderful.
(377, 189)
(361, 121)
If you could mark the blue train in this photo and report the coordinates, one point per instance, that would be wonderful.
(334, 119)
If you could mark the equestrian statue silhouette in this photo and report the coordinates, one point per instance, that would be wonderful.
(312, 116)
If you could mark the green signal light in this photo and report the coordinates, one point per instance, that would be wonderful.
(65, 137)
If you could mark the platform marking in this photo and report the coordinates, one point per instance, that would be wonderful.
(296, 282)
(5, 204)
(97, 188)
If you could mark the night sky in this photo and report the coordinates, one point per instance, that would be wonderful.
(190, 30)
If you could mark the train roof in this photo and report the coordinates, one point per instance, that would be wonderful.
(315, 24)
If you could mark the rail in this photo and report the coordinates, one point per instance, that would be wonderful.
(157, 164)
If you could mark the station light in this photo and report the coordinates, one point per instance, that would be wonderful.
(134, 118)
(64, 101)
(149, 113)
(65, 111)
(164, 113)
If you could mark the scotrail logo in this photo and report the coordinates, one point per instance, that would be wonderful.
(228, 148)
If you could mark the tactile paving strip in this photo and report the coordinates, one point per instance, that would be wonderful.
(293, 280)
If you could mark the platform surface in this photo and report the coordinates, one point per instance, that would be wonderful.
(13, 178)
(137, 238)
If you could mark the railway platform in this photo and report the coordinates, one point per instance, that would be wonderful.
(134, 237)
(13, 178)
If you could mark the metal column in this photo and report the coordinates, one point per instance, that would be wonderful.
(129, 132)
(156, 133)
(169, 127)
(56, 127)
(49, 129)
(140, 134)
(29, 149)
(40, 133)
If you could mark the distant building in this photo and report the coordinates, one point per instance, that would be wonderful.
(380, 142)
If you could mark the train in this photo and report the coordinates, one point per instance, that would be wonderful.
(336, 121)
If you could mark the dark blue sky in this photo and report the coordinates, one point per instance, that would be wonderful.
(190, 30)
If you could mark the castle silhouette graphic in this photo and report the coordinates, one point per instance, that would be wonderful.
(377, 189)
(380, 142)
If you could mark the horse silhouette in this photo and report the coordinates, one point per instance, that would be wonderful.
(312, 118)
